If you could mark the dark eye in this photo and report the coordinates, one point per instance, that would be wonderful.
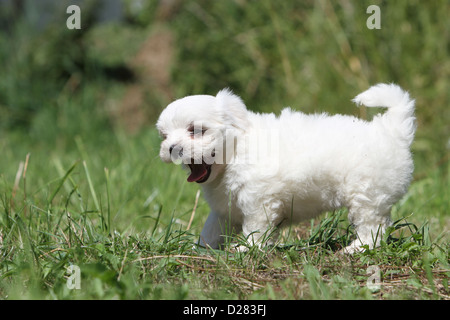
(196, 130)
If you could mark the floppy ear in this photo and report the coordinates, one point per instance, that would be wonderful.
(232, 109)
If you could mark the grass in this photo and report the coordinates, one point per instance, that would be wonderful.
(131, 241)
(78, 190)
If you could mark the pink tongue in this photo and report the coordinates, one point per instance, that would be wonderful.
(198, 171)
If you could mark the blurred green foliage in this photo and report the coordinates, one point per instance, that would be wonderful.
(310, 55)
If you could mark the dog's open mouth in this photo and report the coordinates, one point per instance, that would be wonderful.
(199, 172)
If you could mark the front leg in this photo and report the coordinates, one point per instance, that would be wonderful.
(217, 227)
(260, 226)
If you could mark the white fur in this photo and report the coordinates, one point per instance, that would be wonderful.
(316, 162)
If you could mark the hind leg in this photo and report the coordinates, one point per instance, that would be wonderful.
(370, 221)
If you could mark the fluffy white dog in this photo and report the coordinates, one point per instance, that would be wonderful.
(259, 171)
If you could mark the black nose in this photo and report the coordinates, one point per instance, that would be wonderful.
(178, 150)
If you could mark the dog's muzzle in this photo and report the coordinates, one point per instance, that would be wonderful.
(200, 172)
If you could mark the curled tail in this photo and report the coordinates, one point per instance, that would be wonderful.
(400, 114)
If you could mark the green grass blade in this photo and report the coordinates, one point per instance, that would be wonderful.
(61, 183)
(91, 187)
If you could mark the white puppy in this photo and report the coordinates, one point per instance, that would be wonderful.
(259, 171)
